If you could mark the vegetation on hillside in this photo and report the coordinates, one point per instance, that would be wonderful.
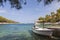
(5, 20)
(53, 18)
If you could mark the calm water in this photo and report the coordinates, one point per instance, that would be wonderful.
(19, 32)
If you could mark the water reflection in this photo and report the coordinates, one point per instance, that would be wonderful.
(24, 36)
(40, 37)
(20, 32)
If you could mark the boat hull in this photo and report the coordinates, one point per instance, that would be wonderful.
(43, 32)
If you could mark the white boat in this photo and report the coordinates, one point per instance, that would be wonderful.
(42, 31)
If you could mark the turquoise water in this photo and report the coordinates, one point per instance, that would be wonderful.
(19, 32)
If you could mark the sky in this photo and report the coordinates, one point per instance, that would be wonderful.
(30, 12)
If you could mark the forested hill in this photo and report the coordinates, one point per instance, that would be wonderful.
(52, 18)
(5, 20)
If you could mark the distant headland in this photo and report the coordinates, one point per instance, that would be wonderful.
(4, 20)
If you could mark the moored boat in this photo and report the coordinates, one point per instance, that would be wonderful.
(43, 31)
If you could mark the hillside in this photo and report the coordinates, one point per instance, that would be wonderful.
(52, 18)
(5, 20)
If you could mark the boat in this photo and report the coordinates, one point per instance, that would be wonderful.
(42, 30)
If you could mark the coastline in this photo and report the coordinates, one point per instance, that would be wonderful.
(10, 23)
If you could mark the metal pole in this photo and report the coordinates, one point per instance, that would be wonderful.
(43, 24)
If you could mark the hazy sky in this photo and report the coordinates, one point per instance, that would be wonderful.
(29, 13)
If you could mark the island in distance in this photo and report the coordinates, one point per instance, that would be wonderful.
(4, 20)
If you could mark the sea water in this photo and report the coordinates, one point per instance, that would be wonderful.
(19, 32)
